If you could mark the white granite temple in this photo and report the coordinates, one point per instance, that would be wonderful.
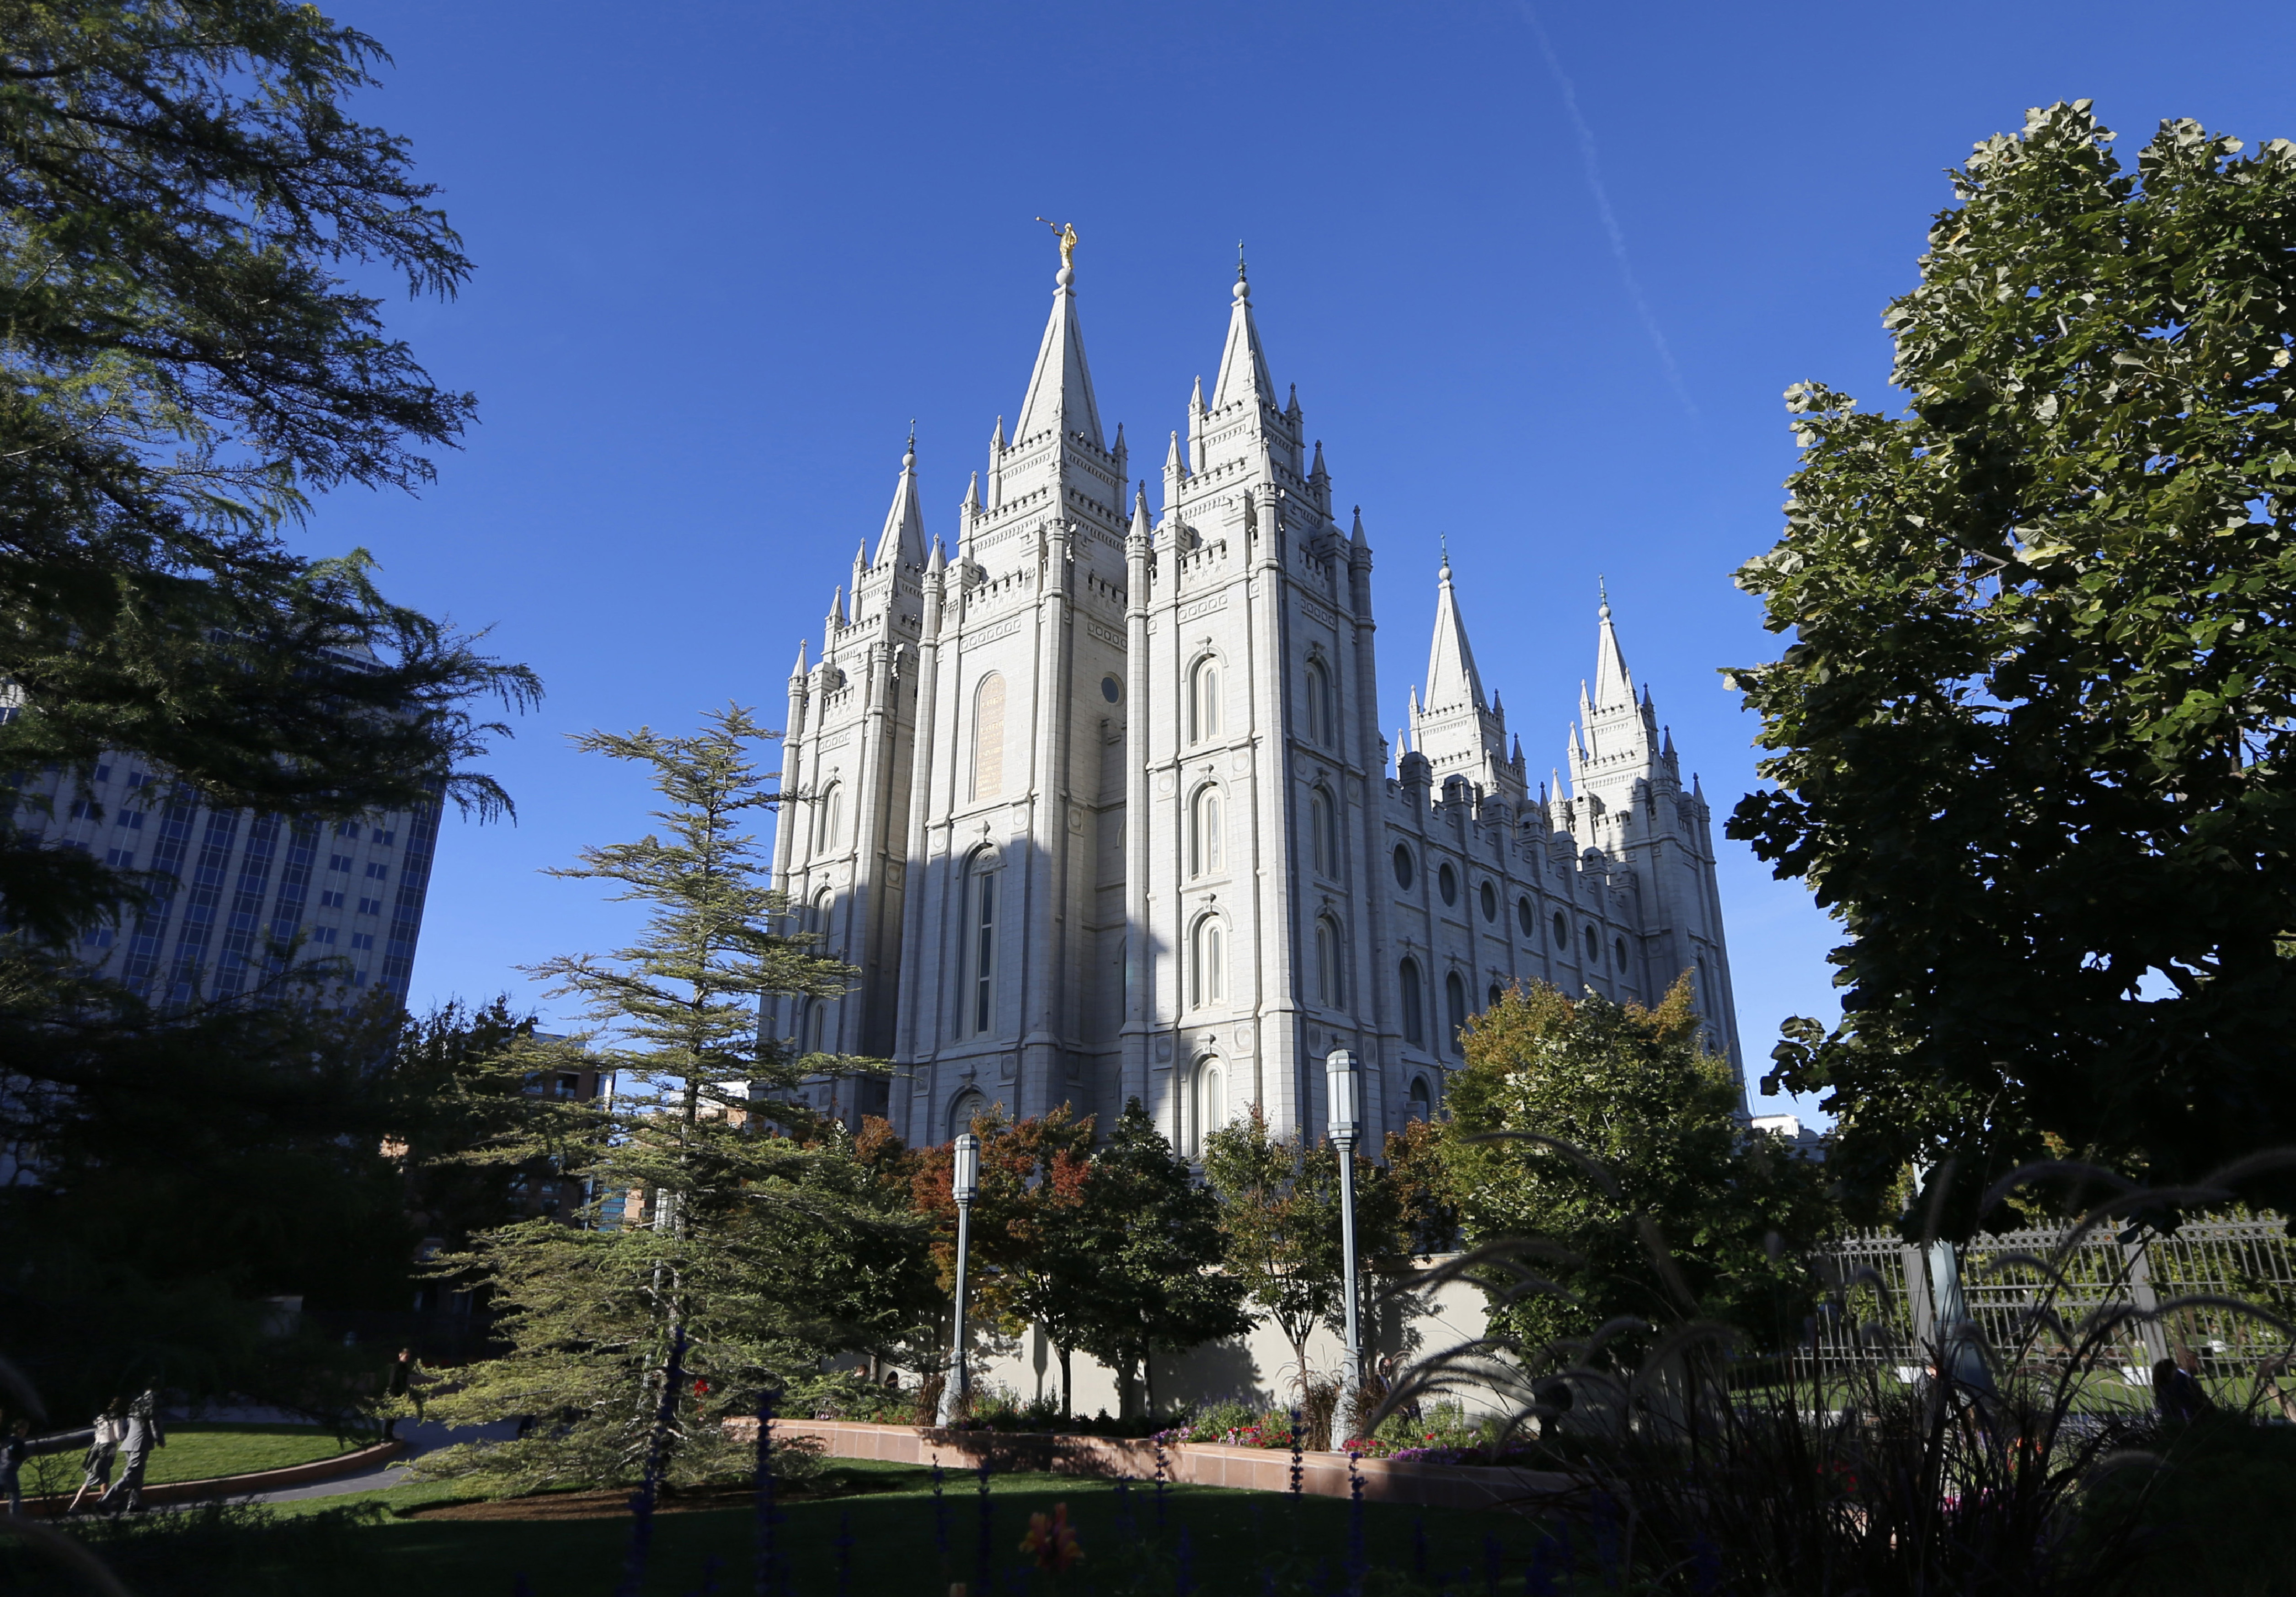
(1100, 807)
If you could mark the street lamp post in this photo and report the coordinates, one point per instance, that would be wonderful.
(965, 1181)
(1341, 1083)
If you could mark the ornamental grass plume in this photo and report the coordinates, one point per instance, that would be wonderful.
(1052, 1541)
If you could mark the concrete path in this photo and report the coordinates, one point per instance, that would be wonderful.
(420, 1438)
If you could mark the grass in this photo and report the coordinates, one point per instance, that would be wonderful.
(887, 1526)
(199, 1449)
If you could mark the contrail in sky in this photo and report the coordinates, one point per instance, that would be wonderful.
(1592, 159)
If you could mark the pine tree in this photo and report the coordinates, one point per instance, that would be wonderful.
(745, 1212)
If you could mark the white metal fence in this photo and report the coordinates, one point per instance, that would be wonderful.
(1889, 1298)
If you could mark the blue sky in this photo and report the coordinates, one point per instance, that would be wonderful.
(1541, 301)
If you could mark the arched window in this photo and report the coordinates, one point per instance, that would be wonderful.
(1422, 1101)
(1205, 832)
(1402, 866)
(989, 737)
(1324, 832)
(1208, 962)
(1414, 1025)
(1319, 704)
(816, 919)
(1526, 917)
(1492, 1001)
(1562, 931)
(828, 814)
(1455, 1003)
(1330, 990)
(816, 1025)
(968, 1107)
(1204, 702)
(1209, 1111)
(1447, 883)
(1490, 897)
(977, 1006)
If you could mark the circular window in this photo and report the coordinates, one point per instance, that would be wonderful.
(1447, 880)
(1562, 931)
(1524, 914)
(1110, 689)
(1619, 949)
(1594, 946)
(1402, 866)
(1490, 903)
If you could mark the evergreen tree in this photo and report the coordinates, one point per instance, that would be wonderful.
(183, 193)
(743, 1210)
(1140, 1267)
(1608, 1134)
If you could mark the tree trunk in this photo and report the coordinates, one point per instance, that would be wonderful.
(1068, 1383)
(1148, 1380)
(1127, 1388)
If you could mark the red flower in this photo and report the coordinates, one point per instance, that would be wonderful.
(1052, 1539)
(701, 1387)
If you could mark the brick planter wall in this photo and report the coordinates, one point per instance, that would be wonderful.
(1195, 1463)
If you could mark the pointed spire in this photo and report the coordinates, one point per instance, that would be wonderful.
(1172, 459)
(837, 606)
(1142, 528)
(903, 537)
(971, 497)
(1451, 675)
(939, 561)
(1196, 399)
(1292, 409)
(1357, 537)
(1316, 470)
(800, 668)
(1060, 390)
(996, 439)
(1243, 367)
(1612, 685)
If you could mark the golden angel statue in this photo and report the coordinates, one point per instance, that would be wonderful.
(1067, 237)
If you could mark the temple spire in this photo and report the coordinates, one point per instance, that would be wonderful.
(903, 537)
(1451, 675)
(1612, 684)
(1243, 365)
(1060, 390)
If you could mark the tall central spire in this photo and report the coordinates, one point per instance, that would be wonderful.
(1060, 390)
(1452, 679)
(1243, 367)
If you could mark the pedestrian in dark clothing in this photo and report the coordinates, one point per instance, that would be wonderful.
(143, 1434)
(110, 1429)
(2176, 1389)
(13, 1454)
(404, 1382)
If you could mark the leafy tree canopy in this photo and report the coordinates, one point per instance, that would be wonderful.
(1607, 1135)
(2034, 741)
(181, 194)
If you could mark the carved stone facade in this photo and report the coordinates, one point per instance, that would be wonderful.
(1100, 807)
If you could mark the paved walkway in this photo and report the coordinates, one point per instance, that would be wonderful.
(420, 1438)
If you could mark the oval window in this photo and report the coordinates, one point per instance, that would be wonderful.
(1562, 931)
(1490, 903)
(1447, 882)
(1110, 689)
(1594, 946)
(1526, 916)
(1619, 949)
(1402, 866)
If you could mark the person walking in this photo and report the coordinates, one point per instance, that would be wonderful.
(406, 1381)
(143, 1434)
(111, 1428)
(13, 1454)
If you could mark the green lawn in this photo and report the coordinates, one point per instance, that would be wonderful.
(198, 1449)
(889, 1531)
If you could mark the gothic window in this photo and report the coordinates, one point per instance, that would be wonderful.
(1209, 1111)
(1330, 991)
(1414, 1025)
(1490, 897)
(1204, 702)
(1526, 917)
(969, 1104)
(832, 799)
(1455, 1003)
(1402, 866)
(1208, 963)
(1495, 996)
(979, 1000)
(1205, 832)
(989, 737)
(816, 1025)
(1319, 704)
(1562, 931)
(1422, 1101)
(1447, 882)
(1324, 832)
